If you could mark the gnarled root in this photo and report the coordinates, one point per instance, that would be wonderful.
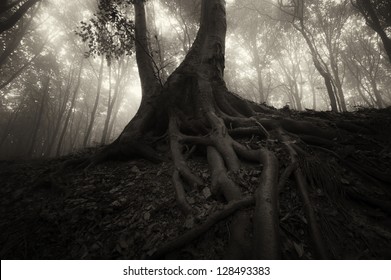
(222, 183)
(301, 182)
(189, 236)
(219, 121)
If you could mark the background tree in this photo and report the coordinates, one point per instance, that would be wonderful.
(12, 11)
(377, 14)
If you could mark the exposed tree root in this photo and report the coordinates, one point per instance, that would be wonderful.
(285, 176)
(384, 205)
(222, 183)
(180, 194)
(219, 133)
(178, 158)
(189, 236)
(218, 129)
(301, 182)
(266, 213)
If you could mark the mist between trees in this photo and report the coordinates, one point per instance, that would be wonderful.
(69, 77)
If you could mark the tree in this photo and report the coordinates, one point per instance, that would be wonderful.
(377, 14)
(328, 19)
(262, 38)
(70, 109)
(194, 113)
(10, 17)
(112, 99)
(363, 58)
(194, 108)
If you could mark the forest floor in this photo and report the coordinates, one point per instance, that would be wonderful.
(127, 209)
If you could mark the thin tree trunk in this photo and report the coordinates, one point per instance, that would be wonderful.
(369, 104)
(75, 137)
(258, 69)
(45, 93)
(70, 110)
(9, 125)
(313, 96)
(61, 111)
(323, 72)
(338, 83)
(109, 109)
(378, 96)
(94, 109)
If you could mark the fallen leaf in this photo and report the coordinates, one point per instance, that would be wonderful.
(344, 181)
(147, 216)
(206, 192)
(135, 169)
(189, 223)
(122, 242)
(299, 249)
(116, 204)
(191, 200)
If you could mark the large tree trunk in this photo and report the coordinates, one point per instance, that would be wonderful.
(193, 100)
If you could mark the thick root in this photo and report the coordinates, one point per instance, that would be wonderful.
(222, 183)
(266, 213)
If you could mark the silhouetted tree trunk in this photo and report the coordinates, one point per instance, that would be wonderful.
(369, 10)
(95, 108)
(115, 114)
(15, 41)
(113, 99)
(10, 21)
(70, 110)
(11, 120)
(64, 98)
(322, 69)
(378, 95)
(45, 95)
